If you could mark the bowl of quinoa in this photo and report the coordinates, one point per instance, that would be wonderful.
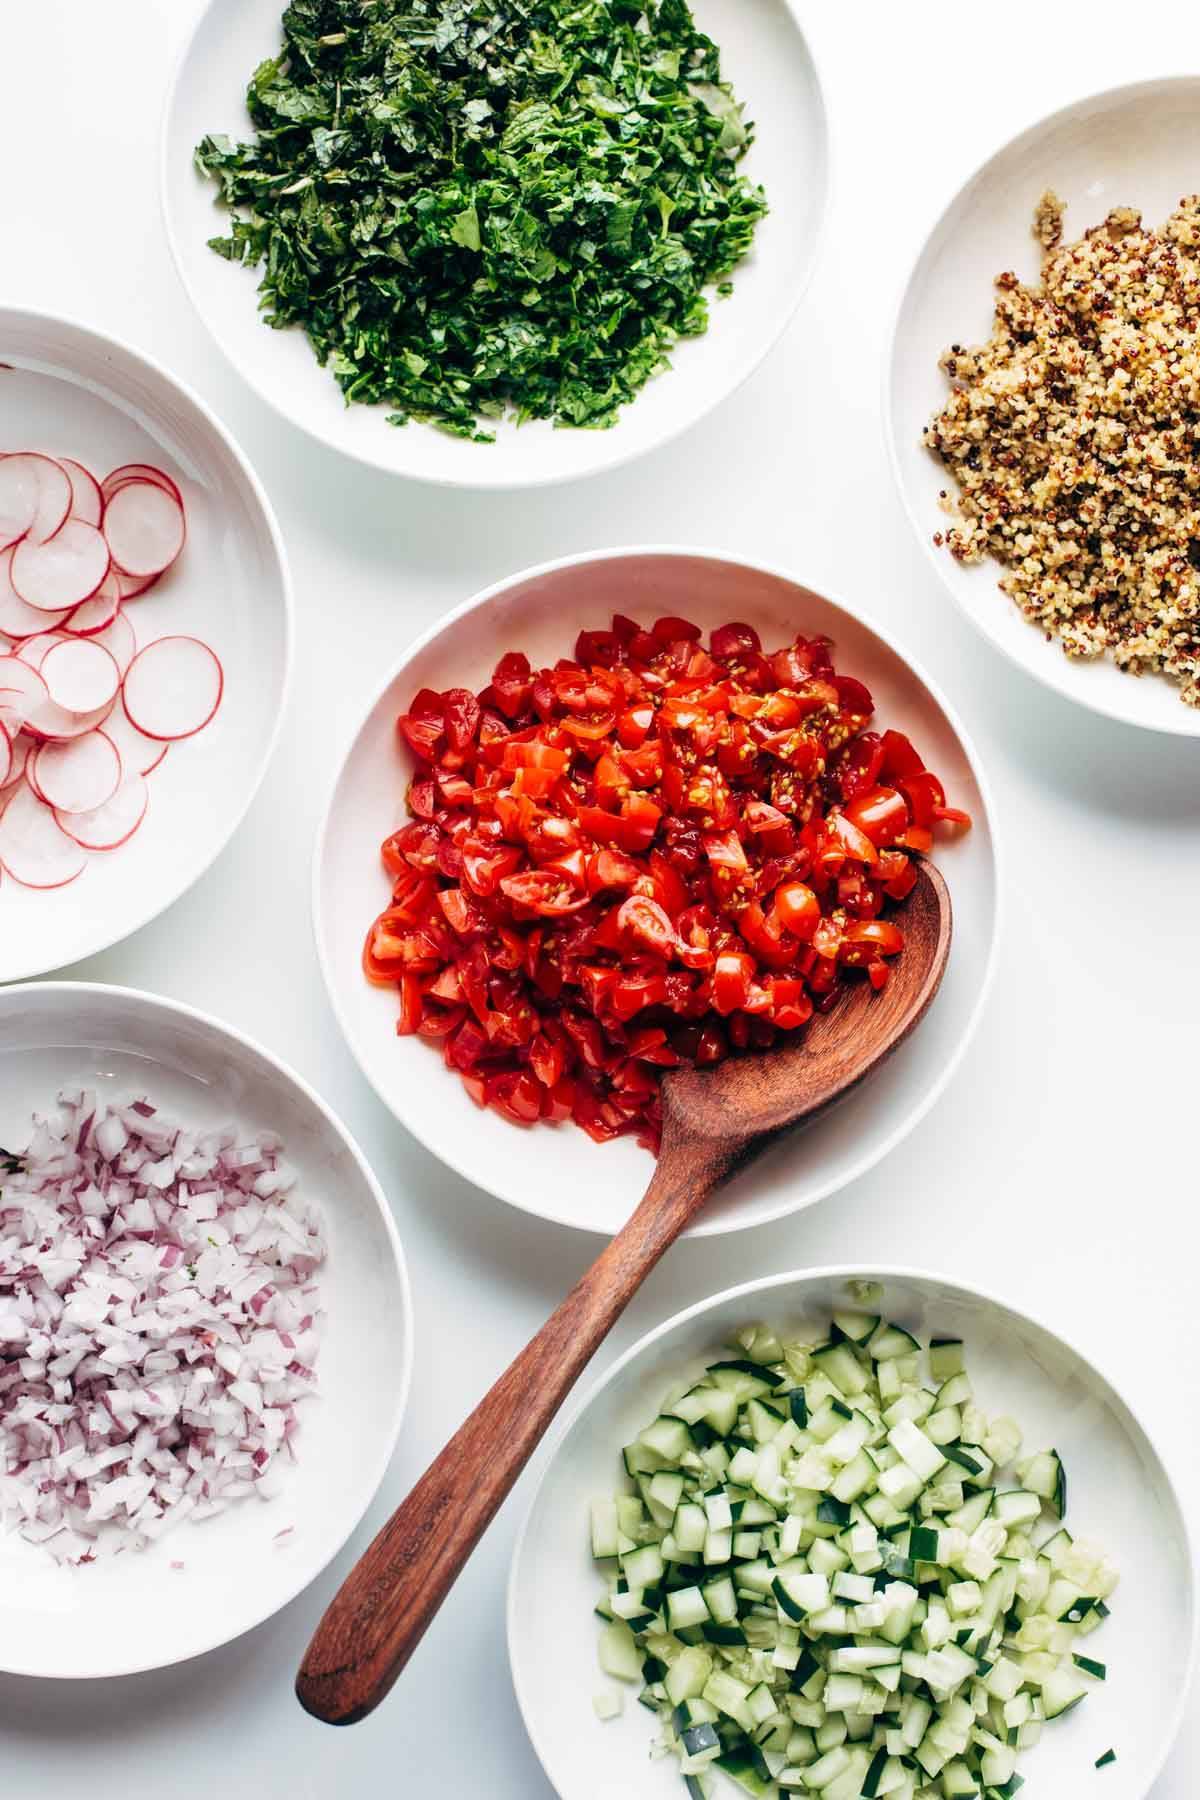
(1043, 402)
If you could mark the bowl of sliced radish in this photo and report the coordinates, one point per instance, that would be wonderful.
(145, 639)
(853, 1532)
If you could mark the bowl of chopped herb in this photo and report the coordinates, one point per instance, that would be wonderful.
(500, 248)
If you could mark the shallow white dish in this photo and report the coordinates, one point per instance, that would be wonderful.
(74, 392)
(1137, 146)
(558, 1173)
(1121, 1495)
(766, 56)
(134, 1611)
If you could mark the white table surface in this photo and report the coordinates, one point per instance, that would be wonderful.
(1071, 1127)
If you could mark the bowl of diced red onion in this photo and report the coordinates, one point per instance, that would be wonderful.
(145, 632)
(631, 809)
(206, 1329)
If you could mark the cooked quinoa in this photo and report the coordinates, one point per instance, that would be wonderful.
(1073, 435)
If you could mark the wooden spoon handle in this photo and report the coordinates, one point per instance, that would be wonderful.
(383, 1608)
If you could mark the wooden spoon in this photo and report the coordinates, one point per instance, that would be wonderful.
(714, 1122)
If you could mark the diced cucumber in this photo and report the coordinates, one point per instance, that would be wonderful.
(668, 1438)
(686, 1678)
(882, 1623)
(605, 1529)
(1020, 1507)
(643, 1568)
(1043, 1474)
(890, 1341)
(958, 1783)
(1061, 1691)
(619, 1653)
(839, 1363)
(686, 1606)
(746, 1380)
(947, 1357)
(690, 1527)
(970, 1515)
(858, 1327)
(1097, 1670)
(913, 1447)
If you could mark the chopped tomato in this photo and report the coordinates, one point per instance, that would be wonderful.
(860, 763)
(644, 923)
(652, 852)
(924, 793)
(635, 725)
(882, 813)
(424, 725)
(733, 973)
(797, 909)
(548, 892)
(866, 939)
(899, 757)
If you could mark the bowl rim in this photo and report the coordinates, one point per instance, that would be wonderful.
(840, 1272)
(156, 371)
(720, 1226)
(143, 1000)
(1055, 677)
(516, 483)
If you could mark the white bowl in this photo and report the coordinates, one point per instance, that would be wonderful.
(1134, 145)
(559, 1173)
(1121, 1495)
(134, 1611)
(766, 56)
(72, 391)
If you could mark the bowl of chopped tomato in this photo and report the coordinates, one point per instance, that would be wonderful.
(625, 812)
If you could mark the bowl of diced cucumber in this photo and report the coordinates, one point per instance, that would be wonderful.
(853, 1533)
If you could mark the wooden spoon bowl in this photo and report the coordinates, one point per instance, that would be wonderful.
(714, 1122)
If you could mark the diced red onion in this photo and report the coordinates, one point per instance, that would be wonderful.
(156, 1326)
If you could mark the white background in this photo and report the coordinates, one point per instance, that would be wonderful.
(1061, 1166)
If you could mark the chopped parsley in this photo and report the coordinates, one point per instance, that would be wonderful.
(481, 207)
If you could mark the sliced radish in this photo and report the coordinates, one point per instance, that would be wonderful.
(54, 500)
(78, 776)
(139, 472)
(33, 650)
(138, 752)
(22, 744)
(34, 848)
(35, 497)
(112, 824)
(173, 687)
(65, 571)
(81, 675)
(31, 770)
(145, 528)
(54, 724)
(119, 639)
(131, 586)
(7, 757)
(20, 494)
(17, 618)
(94, 615)
(87, 502)
(22, 691)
